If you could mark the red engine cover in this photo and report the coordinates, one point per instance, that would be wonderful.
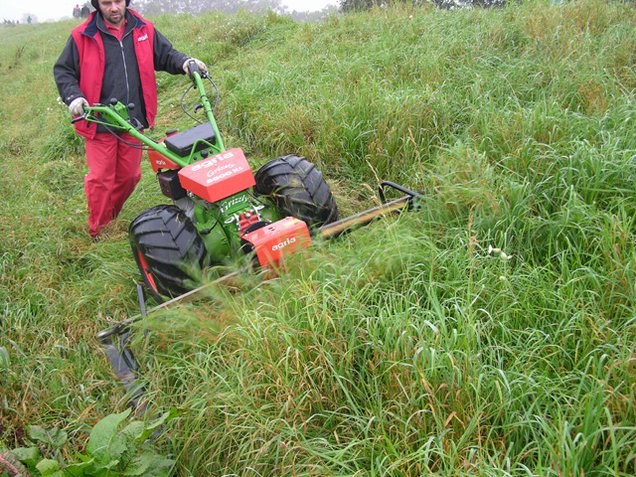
(160, 162)
(219, 176)
(281, 238)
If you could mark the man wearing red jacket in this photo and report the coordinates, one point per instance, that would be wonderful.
(113, 54)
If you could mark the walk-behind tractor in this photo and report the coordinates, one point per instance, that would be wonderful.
(219, 207)
(220, 210)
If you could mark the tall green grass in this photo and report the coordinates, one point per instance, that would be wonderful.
(491, 332)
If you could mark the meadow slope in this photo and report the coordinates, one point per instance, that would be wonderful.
(492, 332)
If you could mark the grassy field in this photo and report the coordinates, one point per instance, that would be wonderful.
(492, 332)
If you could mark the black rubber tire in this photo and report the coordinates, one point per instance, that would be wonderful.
(168, 250)
(297, 188)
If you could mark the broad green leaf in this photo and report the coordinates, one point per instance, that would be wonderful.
(79, 469)
(105, 443)
(56, 438)
(48, 467)
(96, 470)
(149, 464)
(104, 473)
(134, 430)
(137, 466)
(139, 431)
(112, 464)
(83, 457)
(29, 455)
(155, 425)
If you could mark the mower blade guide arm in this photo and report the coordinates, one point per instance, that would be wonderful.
(408, 201)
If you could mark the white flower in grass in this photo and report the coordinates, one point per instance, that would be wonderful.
(501, 253)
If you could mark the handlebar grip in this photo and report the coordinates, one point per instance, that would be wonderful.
(192, 68)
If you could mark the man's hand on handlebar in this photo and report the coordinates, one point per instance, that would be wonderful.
(77, 106)
(203, 69)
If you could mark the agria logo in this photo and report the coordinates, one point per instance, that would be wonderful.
(283, 244)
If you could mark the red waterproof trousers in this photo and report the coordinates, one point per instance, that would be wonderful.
(113, 172)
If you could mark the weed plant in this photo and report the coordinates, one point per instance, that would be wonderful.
(489, 333)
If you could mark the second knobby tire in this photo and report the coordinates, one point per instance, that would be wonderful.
(168, 250)
(297, 188)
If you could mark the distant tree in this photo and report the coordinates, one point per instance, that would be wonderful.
(261, 5)
(194, 7)
(315, 15)
(354, 5)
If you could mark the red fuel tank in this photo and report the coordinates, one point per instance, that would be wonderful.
(281, 238)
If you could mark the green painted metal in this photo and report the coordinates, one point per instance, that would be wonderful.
(115, 116)
(208, 109)
(218, 223)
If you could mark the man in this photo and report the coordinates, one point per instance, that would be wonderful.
(114, 54)
(86, 10)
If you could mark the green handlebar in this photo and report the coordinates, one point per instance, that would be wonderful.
(115, 116)
(196, 78)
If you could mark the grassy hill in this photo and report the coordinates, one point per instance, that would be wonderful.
(490, 333)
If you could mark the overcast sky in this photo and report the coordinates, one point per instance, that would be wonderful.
(56, 9)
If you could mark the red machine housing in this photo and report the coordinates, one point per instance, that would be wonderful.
(273, 241)
(160, 162)
(219, 176)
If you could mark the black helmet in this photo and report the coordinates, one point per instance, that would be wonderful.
(95, 4)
